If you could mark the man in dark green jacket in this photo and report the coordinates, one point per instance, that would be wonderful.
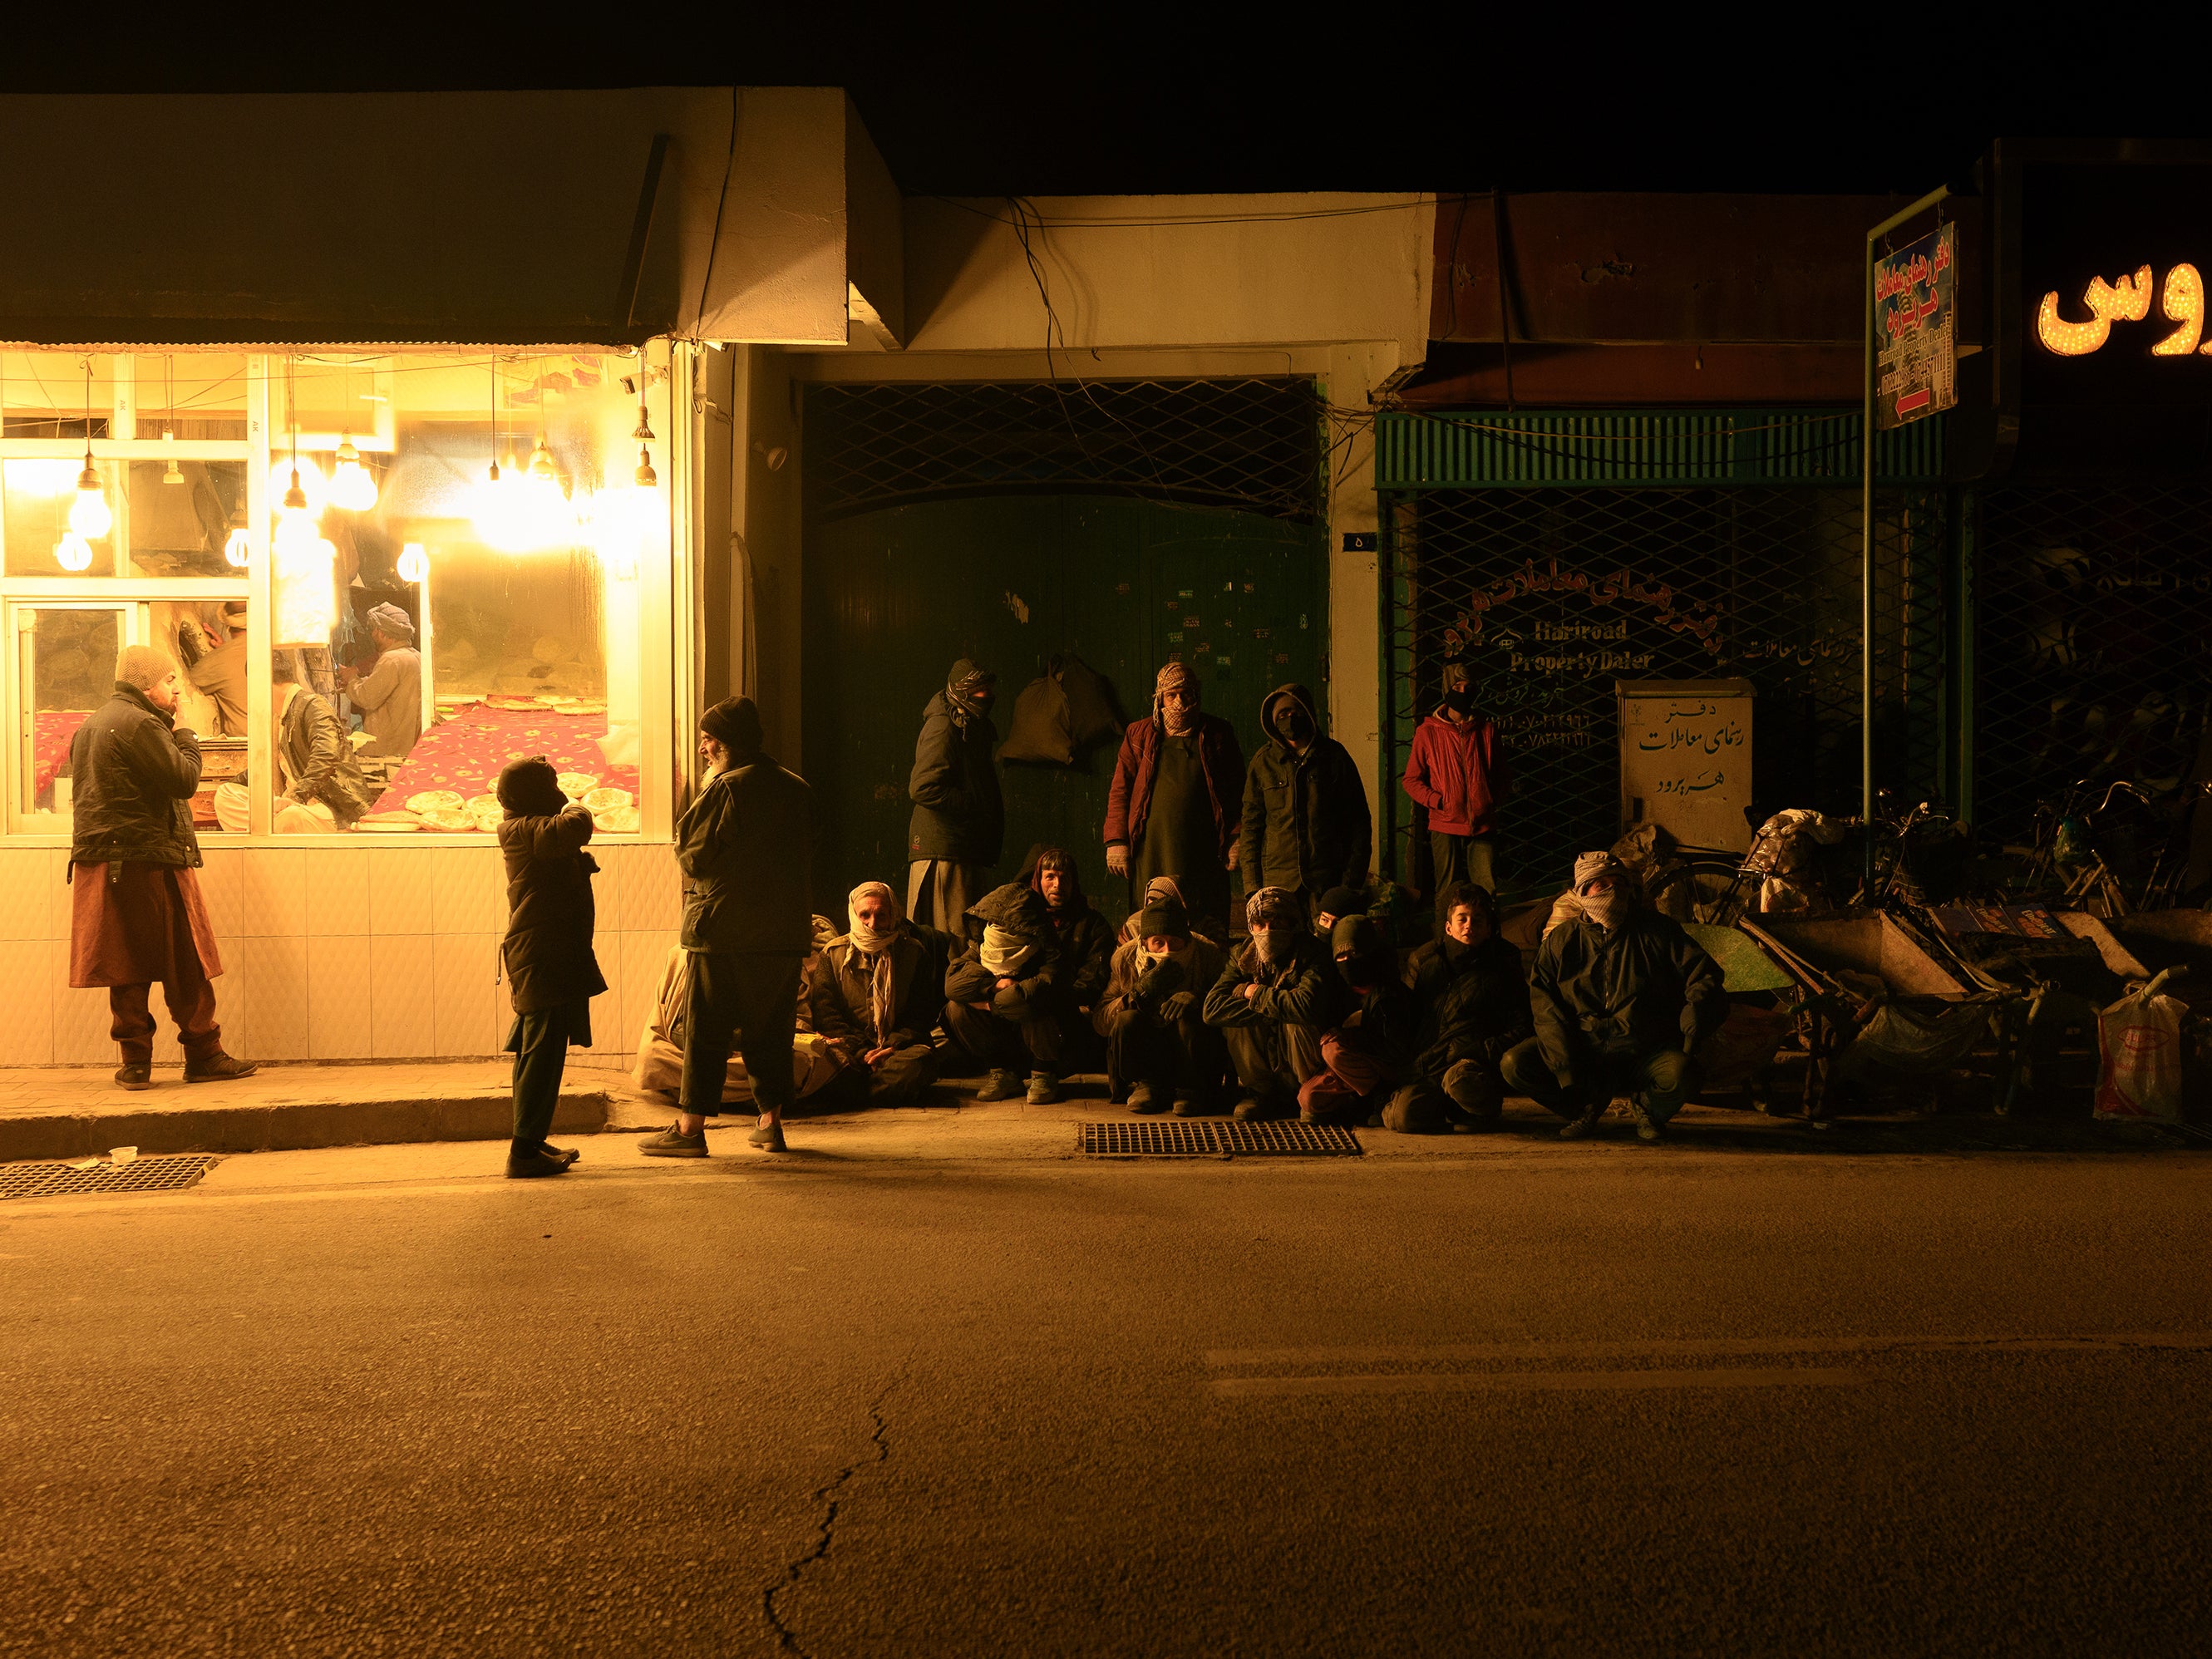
(1272, 1003)
(744, 846)
(1305, 824)
(959, 821)
(1622, 997)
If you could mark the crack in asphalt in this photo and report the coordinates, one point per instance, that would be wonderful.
(826, 1494)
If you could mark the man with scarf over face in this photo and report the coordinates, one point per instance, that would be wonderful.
(959, 820)
(1456, 773)
(743, 847)
(1305, 824)
(1622, 997)
(1474, 997)
(1172, 810)
(1007, 998)
(872, 995)
(1367, 1057)
(1159, 1047)
(1272, 1003)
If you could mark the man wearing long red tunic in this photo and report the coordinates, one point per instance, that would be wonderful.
(136, 915)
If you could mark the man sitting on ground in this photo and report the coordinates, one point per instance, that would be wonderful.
(1622, 997)
(1272, 1003)
(1367, 1059)
(1475, 999)
(1159, 1046)
(1006, 999)
(873, 1000)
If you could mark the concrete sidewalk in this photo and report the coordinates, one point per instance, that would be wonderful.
(70, 1112)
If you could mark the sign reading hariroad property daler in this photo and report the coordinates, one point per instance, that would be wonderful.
(1916, 368)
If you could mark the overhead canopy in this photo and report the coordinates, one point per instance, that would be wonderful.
(599, 218)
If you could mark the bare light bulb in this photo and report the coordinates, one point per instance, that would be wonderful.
(73, 552)
(414, 563)
(235, 548)
(89, 515)
(541, 463)
(353, 486)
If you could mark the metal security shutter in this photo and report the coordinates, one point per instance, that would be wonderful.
(1555, 569)
(1254, 444)
(2093, 653)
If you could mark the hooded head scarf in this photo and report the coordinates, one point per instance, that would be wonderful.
(1176, 677)
(142, 666)
(1016, 926)
(530, 788)
(393, 622)
(1363, 951)
(1163, 918)
(1272, 914)
(964, 686)
(735, 723)
(1338, 902)
(1288, 702)
(1607, 911)
(874, 949)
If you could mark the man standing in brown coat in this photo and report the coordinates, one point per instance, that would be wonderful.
(1173, 807)
(137, 915)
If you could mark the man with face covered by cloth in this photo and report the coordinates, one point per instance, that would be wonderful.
(1305, 824)
(959, 820)
(1273, 1001)
(1172, 808)
(873, 997)
(1006, 999)
(1159, 1047)
(1367, 1057)
(1622, 997)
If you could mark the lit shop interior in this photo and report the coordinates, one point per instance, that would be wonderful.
(465, 556)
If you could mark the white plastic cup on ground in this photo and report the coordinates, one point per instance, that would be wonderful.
(120, 1156)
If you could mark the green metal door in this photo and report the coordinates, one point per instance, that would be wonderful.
(894, 595)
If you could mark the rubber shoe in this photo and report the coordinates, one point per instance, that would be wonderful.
(1253, 1106)
(1579, 1127)
(533, 1166)
(768, 1137)
(219, 1068)
(1145, 1100)
(1188, 1106)
(669, 1144)
(1044, 1088)
(135, 1078)
(1645, 1128)
(1002, 1085)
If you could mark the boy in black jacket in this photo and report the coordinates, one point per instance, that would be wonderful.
(551, 973)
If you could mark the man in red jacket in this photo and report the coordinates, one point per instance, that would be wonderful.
(1176, 802)
(1456, 772)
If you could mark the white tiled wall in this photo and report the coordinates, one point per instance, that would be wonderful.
(380, 952)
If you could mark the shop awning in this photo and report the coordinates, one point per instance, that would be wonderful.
(541, 218)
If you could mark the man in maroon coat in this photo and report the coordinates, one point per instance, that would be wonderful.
(136, 915)
(1457, 773)
(1176, 802)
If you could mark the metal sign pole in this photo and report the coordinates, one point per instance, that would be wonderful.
(1866, 529)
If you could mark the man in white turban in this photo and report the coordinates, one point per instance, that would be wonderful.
(873, 996)
(390, 695)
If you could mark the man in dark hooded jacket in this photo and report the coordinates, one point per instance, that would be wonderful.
(1272, 1003)
(1473, 996)
(959, 821)
(1305, 826)
(1172, 808)
(1008, 998)
(1622, 997)
(1159, 1047)
(551, 973)
(1368, 1056)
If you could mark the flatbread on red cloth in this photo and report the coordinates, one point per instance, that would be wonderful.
(129, 931)
(465, 752)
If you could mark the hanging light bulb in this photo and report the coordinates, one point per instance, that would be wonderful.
(296, 531)
(414, 563)
(175, 475)
(73, 552)
(301, 472)
(236, 547)
(646, 478)
(353, 486)
(644, 433)
(89, 515)
(541, 463)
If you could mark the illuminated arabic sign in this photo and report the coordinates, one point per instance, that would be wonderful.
(1913, 316)
(2127, 299)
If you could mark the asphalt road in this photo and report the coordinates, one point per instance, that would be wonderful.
(1612, 1398)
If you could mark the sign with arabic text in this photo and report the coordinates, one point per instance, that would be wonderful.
(1685, 759)
(1915, 361)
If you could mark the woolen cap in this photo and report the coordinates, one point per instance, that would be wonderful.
(735, 723)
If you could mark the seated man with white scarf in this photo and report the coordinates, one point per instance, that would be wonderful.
(1159, 1046)
(1272, 1003)
(1005, 1003)
(872, 997)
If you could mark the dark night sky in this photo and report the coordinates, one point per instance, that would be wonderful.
(1135, 98)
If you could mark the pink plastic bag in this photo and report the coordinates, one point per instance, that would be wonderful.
(2139, 1045)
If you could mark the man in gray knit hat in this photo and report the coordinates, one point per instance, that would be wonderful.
(390, 695)
(1622, 997)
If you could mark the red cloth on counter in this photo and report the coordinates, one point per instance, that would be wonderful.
(465, 751)
(52, 730)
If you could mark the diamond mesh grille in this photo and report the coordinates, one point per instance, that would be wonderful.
(145, 1175)
(2093, 653)
(1759, 583)
(1256, 444)
(1181, 1138)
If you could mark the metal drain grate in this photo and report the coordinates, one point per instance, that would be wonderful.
(144, 1175)
(1183, 1138)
